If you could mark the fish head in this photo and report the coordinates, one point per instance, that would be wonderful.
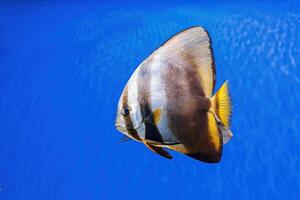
(129, 120)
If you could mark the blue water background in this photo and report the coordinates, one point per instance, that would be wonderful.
(63, 66)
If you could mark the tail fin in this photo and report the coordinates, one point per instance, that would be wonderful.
(221, 104)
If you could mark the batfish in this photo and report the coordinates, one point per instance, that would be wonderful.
(168, 102)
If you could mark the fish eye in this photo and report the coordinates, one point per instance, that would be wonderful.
(126, 111)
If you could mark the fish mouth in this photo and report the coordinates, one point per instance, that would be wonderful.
(123, 129)
(120, 127)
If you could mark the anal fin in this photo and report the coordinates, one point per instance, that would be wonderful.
(159, 150)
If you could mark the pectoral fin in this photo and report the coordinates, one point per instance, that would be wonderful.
(125, 139)
(159, 150)
(154, 117)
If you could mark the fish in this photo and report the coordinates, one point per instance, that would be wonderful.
(168, 102)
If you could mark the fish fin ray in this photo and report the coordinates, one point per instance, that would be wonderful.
(221, 105)
(226, 132)
(161, 144)
(125, 138)
(192, 47)
(226, 135)
(159, 150)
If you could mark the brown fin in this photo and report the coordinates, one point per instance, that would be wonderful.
(191, 48)
(159, 150)
(125, 138)
(211, 150)
(208, 158)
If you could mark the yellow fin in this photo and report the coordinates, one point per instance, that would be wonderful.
(221, 104)
(156, 116)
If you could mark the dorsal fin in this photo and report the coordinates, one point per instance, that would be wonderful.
(191, 47)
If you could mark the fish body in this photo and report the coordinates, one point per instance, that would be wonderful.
(168, 101)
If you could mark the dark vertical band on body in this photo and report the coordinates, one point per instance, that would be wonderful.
(151, 130)
(144, 87)
(187, 118)
(184, 119)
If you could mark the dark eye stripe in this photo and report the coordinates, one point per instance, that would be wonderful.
(126, 110)
(127, 119)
